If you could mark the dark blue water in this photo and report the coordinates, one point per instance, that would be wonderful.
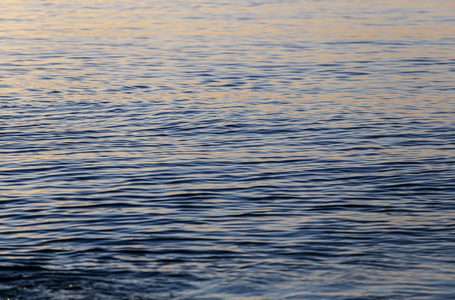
(227, 149)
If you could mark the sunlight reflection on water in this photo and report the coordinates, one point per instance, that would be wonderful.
(227, 149)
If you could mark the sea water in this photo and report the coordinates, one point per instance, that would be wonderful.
(241, 149)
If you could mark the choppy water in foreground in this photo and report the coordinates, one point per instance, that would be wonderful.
(227, 149)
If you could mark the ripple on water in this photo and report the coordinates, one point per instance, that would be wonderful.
(228, 150)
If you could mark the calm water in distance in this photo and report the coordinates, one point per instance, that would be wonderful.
(241, 149)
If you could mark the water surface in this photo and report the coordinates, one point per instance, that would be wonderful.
(238, 149)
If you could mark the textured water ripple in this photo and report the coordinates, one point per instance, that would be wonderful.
(227, 150)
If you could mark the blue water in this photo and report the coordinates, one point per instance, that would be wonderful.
(238, 149)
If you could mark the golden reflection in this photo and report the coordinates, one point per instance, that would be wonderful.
(101, 19)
